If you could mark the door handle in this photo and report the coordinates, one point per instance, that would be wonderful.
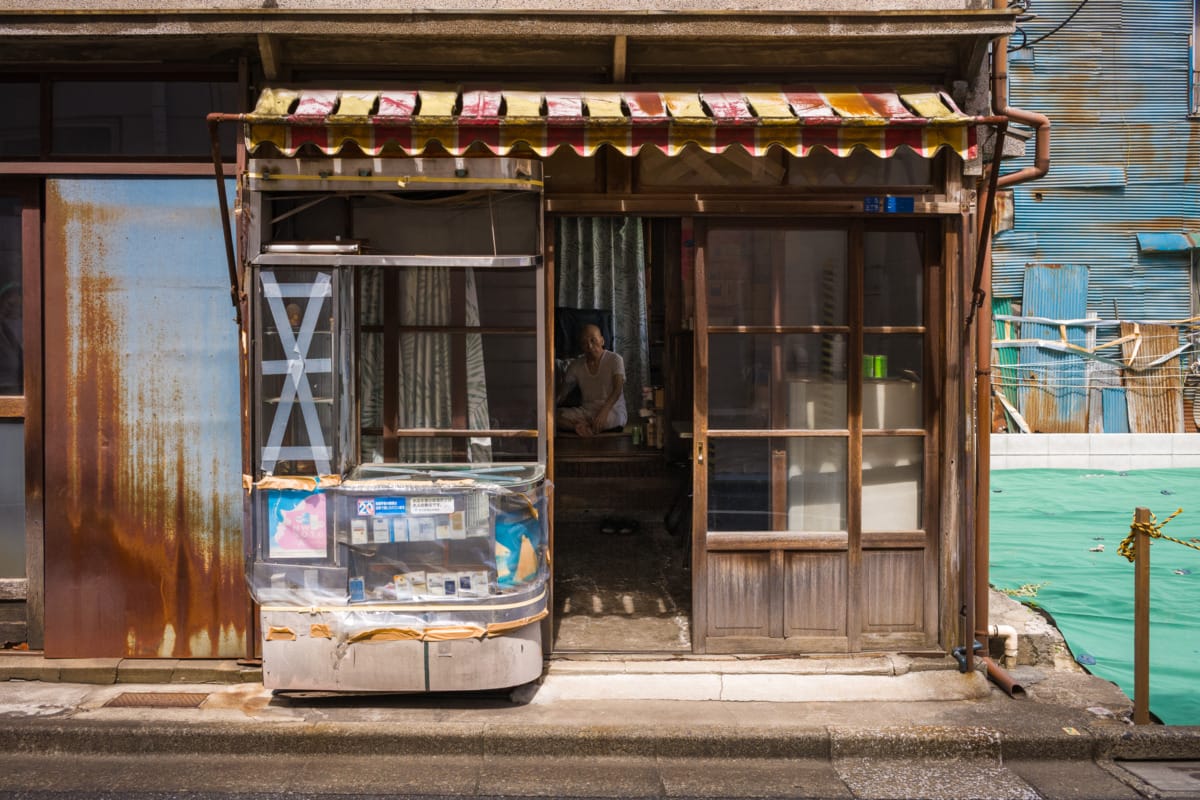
(699, 452)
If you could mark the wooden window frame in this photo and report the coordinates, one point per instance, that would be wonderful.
(28, 409)
(47, 161)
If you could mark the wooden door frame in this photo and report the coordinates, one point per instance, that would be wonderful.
(935, 275)
(27, 407)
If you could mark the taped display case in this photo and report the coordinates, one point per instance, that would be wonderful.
(397, 514)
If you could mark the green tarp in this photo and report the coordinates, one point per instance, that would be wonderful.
(1061, 528)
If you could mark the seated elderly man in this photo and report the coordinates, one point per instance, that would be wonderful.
(600, 376)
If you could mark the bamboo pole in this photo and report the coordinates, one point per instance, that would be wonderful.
(1141, 620)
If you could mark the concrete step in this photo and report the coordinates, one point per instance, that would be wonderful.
(775, 680)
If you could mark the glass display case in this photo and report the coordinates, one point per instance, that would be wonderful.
(396, 516)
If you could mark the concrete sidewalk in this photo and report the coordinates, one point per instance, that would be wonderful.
(884, 726)
(611, 727)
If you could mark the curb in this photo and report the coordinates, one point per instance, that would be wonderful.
(103, 737)
(446, 739)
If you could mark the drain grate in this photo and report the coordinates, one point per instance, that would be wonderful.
(157, 700)
(1179, 779)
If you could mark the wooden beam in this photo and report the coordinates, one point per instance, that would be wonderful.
(1141, 620)
(773, 205)
(12, 406)
(181, 168)
(13, 588)
(268, 51)
(32, 279)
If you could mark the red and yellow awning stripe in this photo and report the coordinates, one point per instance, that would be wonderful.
(880, 120)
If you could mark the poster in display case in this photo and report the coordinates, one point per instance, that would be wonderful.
(297, 524)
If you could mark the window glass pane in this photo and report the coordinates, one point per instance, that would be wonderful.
(490, 298)
(769, 277)
(739, 485)
(451, 449)
(371, 380)
(816, 487)
(507, 298)
(12, 373)
(371, 449)
(893, 475)
(893, 371)
(451, 379)
(371, 301)
(466, 223)
(893, 290)
(469, 381)
(21, 120)
(777, 381)
(296, 424)
(777, 484)
(139, 118)
(12, 499)
(822, 169)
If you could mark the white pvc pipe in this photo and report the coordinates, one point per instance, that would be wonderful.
(1010, 642)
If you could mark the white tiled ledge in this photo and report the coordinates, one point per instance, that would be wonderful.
(1108, 451)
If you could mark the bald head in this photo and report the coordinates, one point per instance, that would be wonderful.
(592, 340)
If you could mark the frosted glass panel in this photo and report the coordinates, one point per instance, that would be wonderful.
(762, 276)
(817, 404)
(816, 484)
(777, 484)
(893, 473)
(777, 381)
(893, 279)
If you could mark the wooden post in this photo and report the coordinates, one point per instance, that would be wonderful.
(1141, 622)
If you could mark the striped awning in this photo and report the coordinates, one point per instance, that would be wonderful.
(797, 119)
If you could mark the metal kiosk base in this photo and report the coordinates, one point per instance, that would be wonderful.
(302, 652)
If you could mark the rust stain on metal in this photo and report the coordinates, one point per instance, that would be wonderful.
(1154, 395)
(139, 563)
(1054, 385)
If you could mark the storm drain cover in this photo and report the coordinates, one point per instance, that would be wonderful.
(157, 700)
(1171, 778)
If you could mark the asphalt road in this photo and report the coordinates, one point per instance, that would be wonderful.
(59, 776)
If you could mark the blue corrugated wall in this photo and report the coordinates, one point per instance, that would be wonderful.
(1125, 157)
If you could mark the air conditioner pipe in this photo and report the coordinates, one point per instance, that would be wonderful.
(983, 342)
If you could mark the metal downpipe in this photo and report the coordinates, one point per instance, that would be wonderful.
(1039, 122)
(235, 289)
(983, 340)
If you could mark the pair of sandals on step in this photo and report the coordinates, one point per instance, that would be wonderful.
(619, 525)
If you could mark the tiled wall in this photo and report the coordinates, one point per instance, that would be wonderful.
(1112, 451)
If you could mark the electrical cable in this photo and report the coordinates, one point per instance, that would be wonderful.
(1046, 36)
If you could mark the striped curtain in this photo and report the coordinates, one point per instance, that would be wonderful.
(601, 264)
(425, 368)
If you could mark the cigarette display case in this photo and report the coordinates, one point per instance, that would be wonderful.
(396, 506)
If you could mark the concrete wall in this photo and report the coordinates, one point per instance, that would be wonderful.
(1108, 451)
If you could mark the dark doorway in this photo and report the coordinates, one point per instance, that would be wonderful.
(622, 571)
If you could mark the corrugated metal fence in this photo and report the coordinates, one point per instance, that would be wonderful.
(1114, 82)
